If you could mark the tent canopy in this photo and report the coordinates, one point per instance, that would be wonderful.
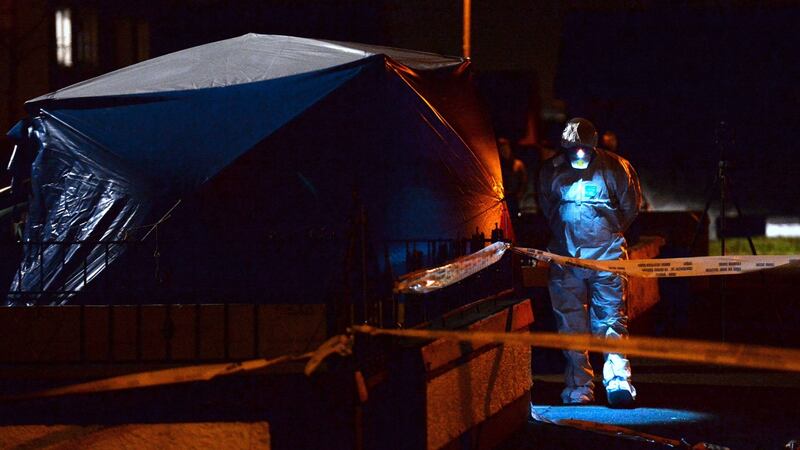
(242, 60)
(256, 137)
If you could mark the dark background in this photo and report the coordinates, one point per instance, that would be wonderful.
(660, 74)
(664, 79)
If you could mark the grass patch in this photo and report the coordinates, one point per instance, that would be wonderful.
(763, 244)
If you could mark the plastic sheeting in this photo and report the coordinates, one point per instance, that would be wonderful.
(245, 59)
(275, 146)
(429, 280)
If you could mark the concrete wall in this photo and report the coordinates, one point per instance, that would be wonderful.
(446, 394)
(157, 333)
(461, 397)
(234, 435)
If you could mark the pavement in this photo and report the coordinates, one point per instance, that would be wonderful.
(730, 407)
(727, 407)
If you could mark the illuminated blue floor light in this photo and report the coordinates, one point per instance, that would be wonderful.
(621, 417)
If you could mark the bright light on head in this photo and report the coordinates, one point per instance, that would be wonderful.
(581, 153)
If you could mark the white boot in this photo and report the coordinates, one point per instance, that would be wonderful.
(617, 380)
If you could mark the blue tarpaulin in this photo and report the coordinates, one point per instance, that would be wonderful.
(262, 159)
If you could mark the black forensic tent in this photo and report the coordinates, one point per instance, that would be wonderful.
(254, 166)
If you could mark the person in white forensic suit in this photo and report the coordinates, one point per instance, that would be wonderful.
(589, 197)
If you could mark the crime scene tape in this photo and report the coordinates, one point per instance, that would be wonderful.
(159, 377)
(424, 281)
(339, 344)
(670, 267)
(739, 355)
(428, 280)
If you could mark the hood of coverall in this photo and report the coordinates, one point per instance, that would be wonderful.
(579, 140)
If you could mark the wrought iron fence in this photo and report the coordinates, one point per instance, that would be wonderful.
(129, 280)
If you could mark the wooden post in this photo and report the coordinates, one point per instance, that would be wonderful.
(467, 30)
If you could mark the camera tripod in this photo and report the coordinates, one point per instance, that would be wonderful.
(720, 189)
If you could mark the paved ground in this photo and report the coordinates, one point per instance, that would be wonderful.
(738, 408)
(728, 407)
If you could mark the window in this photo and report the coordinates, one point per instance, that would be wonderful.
(76, 37)
(64, 37)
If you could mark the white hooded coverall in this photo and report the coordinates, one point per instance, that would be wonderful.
(587, 211)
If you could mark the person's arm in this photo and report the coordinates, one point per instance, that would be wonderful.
(629, 193)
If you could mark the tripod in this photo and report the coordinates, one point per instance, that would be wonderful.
(721, 189)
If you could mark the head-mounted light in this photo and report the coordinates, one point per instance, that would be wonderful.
(579, 157)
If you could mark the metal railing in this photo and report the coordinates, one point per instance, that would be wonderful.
(130, 279)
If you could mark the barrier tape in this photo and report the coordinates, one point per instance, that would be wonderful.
(670, 267)
(340, 344)
(424, 281)
(159, 377)
(738, 355)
